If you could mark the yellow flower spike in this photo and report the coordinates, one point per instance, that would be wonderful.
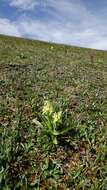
(47, 108)
(52, 47)
(57, 117)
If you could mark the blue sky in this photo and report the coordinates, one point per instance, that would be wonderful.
(76, 22)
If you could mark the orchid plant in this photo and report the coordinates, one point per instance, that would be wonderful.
(51, 119)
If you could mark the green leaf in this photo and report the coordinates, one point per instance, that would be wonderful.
(65, 131)
(55, 141)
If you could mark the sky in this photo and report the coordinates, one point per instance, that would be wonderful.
(74, 22)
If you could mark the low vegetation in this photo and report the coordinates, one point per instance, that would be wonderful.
(53, 116)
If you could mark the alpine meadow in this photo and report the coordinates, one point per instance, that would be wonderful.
(53, 116)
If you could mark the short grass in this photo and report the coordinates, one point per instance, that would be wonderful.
(75, 81)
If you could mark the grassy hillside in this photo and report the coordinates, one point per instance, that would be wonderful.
(74, 81)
